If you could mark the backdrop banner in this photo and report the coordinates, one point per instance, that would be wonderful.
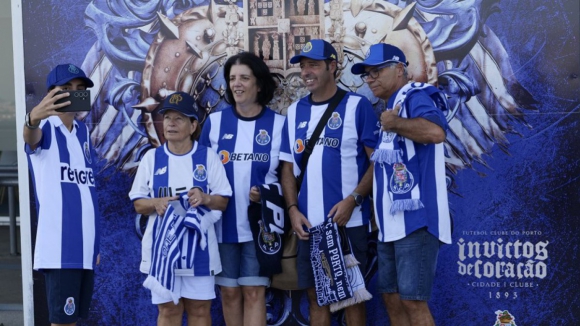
(510, 71)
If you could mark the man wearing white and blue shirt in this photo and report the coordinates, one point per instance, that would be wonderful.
(338, 174)
(62, 165)
(409, 184)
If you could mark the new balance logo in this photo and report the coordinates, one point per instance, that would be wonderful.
(228, 136)
(161, 171)
(302, 124)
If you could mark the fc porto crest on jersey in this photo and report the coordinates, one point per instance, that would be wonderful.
(402, 181)
(69, 306)
(269, 242)
(335, 121)
(200, 173)
(262, 137)
(87, 152)
(504, 318)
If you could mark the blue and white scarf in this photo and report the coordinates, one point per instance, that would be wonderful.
(355, 277)
(393, 149)
(330, 273)
(167, 235)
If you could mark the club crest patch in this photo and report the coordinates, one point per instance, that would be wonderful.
(402, 181)
(504, 318)
(269, 242)
(175, 98)
(200, 173)
(262, 137)
(73, 69)
(69, 306)
(87, 152)
(335, 121)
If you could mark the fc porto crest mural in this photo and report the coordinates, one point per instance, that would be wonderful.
(508, 69)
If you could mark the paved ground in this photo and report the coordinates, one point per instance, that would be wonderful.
(11, 318)
(10, 282)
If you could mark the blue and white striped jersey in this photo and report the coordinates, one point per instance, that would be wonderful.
(63, 176)
(338, 161)
(424, 171)
(164, 174)
(249, 149)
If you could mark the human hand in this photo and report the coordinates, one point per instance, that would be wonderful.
(197, 197)
(162, 203)
(299, 223)
(342, 211)
(389, 118)
(98, 259)
(255, 194)
(47, 107)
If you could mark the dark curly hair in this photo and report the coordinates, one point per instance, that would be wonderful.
(262, 73)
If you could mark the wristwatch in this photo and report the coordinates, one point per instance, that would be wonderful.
(27, 122)
(358, 199)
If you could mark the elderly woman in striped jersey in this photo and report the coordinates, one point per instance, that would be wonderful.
(181, 166)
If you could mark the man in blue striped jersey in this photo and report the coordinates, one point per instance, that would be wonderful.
(62, 166)
(409, 184)
(338, 175)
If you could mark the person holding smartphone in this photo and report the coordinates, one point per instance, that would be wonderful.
(62, 166)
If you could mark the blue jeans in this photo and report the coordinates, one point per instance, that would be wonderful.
(407, 266)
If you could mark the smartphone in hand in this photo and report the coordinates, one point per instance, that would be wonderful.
(79, 101)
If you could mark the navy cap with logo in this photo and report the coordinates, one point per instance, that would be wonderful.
(316, 50)
(180, 102)
(378, 55)
(64, 73)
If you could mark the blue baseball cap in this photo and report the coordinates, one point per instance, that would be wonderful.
(64, 73)
(180, 102)
(316, 50)
(378, 55)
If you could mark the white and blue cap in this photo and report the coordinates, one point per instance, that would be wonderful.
(180, 102)
(378, 55)
(64, 73)
(316, 50)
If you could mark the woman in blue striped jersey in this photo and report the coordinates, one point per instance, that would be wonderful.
(247, 137)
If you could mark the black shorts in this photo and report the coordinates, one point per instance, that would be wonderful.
(69, 293)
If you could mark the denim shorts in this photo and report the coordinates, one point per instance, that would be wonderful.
(240, 266)
(407, 266)
(69, 293)
(358, 237)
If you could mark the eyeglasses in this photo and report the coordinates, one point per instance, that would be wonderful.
(374, 73)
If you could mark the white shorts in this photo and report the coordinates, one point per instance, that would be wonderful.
(189, 287)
